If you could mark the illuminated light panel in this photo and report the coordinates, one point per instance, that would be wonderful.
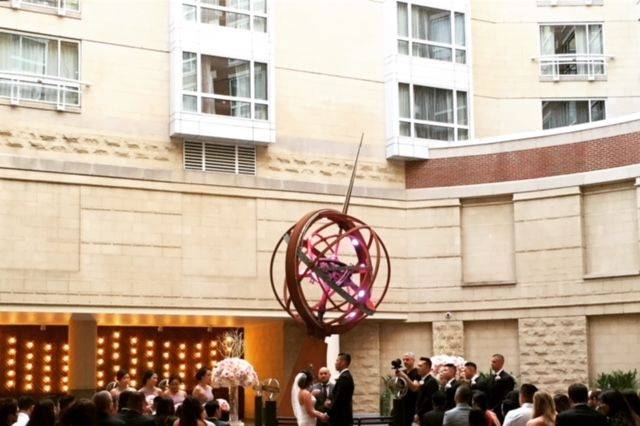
(100, 351)
(46, 388)
(28, 366)
(150, 364)
(150, 343)
(12, 351)
(134, 383)
(29, 345)
(134, 361)
(133, 371)
(11, 373)
(100, 383)
(100, 374)
(11, 361)
(47, 347)
(65, 388)
(115, 355)
(12, 340)
(11, 383)
(167, 344)
(65, 358)
(116, 368)
(181, 355)
(47, 358)
(29, 356)
(134, 340)
(116, 334)
(166, 366)
(28, 387)
(65, 347)
(165, 355)
(100, 361)
(46, 379)
(199, 346)
(28, 377)
(115, 345)
(183, 367)
(182, 346)
(65, 368)
(149, 354)
(46, 369)
(101, 340)
(134, 351)
(198, 355)
(65, 379)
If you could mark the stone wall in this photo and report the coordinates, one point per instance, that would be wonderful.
(363, 343)
(448, 338)
(553, 352)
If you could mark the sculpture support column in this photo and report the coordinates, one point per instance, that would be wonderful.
(83, 332)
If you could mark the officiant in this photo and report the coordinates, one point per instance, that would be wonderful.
(322, 390)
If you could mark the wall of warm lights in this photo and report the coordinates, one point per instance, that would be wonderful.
(36, 358)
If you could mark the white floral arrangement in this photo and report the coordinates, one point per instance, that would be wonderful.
(234, 372)
(439, 361)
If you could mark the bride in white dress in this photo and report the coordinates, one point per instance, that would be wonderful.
(303, 401)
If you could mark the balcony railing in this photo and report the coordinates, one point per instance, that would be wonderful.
(60, 92)
(573, 67)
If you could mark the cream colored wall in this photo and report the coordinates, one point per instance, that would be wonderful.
(482, 339)
(505, 38)
(614, 342)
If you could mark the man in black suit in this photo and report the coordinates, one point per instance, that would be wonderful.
(132, 415)
(322, 390)
(499, 384)
(449, 384)
(580, 414)
(435, 417)
(428, 388)
(340, 403)
(213, 412)
(475, 381)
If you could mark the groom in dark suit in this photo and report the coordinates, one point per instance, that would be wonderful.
(500, 383)
(340, 403)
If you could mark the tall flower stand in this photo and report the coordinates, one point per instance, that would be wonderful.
(233, 373)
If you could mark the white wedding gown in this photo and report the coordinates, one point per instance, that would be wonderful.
(303, 418)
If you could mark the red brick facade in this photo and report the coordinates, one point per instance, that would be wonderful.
(597, 154)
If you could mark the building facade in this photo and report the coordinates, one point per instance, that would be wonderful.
(152, 154)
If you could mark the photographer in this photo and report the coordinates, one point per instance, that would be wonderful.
(412, 377)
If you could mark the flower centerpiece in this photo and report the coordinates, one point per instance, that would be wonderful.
(439, 361)
(233, 372)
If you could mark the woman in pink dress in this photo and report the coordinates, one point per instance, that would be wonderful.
(174, 392)
(203, 390)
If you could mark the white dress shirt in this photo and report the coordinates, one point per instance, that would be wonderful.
(519, 416)
(23, 419)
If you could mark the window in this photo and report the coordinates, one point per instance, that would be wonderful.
(61, 7)
(211, 157)
(426, 32)
(231, 87)
(239, 14)
(39, 69)
(432, 113)
(568, 113)
(571, 50)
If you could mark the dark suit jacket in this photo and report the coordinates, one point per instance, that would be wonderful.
(428, 387)
(321, 398)
(341, 411)
(433, 418)
(480, 385)
(133, 418)
(450, 393)
(498, 389)
(581, 415)
(105, 419)
(218, 422)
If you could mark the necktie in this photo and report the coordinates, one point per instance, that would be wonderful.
(324, 390)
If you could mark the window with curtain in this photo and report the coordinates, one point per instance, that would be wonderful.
(571, 112)
(431, 33)
(71, 5)
(224, 86)
(250, 15)
(26, 59)
(434, 113)
(571, 49)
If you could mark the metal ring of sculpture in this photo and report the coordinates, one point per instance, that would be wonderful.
(331, 264)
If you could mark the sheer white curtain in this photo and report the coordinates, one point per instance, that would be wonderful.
(404, 101)
(433, 104)
(580, 32)
(431, 24)
(260, 80)
(595, 45)
(403, 20)
(547, 46)
(564, 113)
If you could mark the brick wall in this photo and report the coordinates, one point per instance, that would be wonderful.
(579, 157)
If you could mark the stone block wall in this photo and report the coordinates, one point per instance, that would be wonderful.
(553, 352)
(363, 343)
(448, 338)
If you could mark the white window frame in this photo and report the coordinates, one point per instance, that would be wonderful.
(19, 80)
(199, 94)
(455, 126)
(61, 9)
(591, 61)
(570, 2)
(589, 100)
(199, 5)
(410, 40)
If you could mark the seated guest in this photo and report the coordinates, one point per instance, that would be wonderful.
(580, 414)
(133, 415)
(80, 413)
(544, 410)
(480, 402)
(43, 414)
(106, 410)
(25, 407)
(435, 417)
(562, 402)
(64, 403)
(477, 418)
(459, 416)
(510, 402)
(123, 400)
(615, 407)
(212, 409)
(174, 392)
(520, 416)
(165, 412)
(8, 412)
(633, 400)
(191, 413)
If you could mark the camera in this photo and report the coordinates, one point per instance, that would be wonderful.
(396, 364)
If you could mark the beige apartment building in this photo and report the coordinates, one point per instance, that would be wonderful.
(152, 152)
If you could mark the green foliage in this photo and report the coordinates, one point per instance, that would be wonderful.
(618, 380)
(385, 397)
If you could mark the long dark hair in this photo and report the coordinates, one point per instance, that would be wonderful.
(191, 412)
(43, 414)
(618, 407)
(306, 380)
(82, 413)
(147, 376)
(8, 407)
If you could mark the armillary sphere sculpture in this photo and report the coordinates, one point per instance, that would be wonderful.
(328, 284)
(331, 263)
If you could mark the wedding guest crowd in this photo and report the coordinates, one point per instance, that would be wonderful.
(151, 405)
(472, 399)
